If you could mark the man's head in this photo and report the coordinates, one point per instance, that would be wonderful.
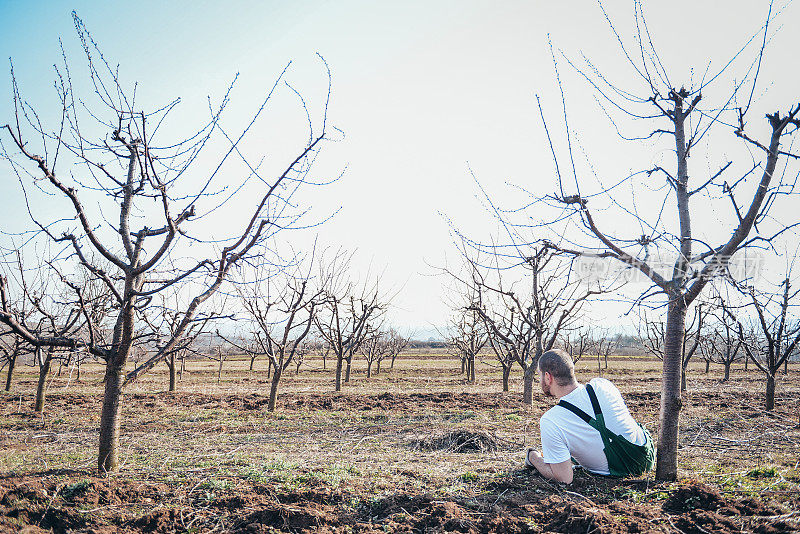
(556, 367)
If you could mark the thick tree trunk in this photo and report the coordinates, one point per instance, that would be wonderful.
(472, 370)
(463, 365)
(183, 366)
(369, 369)
(108, 457)
(747, 359)
(339, 361)
(506, 373)
(708, 364)
(219, 370)
(527, 385)
(347, 370)
(252, 362)
(393, 358)
(273, 390)
(727, 371)
(667, 457)
(44, 370)
(11, 363)
(770, 401)
(378, 368)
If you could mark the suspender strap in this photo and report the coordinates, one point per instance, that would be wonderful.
(593, 398)
(593, 422)
(577, 411)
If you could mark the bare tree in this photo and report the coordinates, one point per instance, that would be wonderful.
(726, 337)
(375, 348)
(653, 332)
(468, 336)
(577, 342)
(396, 344)
(529, 321)
(12, 347)
(118, 160)
(604, 345)
(678, 115)
(281, 308)
(345, 311)
(778, 332)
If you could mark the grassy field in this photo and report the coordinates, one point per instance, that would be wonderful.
(414, 449)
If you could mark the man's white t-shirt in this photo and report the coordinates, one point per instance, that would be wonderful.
(566, 435)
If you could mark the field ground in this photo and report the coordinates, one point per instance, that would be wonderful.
(415, 449)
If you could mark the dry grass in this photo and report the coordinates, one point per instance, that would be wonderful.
(402, 431)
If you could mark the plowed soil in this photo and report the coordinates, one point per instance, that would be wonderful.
(385, 455)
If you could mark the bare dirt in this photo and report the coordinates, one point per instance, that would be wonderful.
(525, 503)
(384, 456)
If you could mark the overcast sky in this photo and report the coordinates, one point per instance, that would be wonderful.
(423, 91)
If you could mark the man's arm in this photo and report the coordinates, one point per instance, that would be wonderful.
(562, 471)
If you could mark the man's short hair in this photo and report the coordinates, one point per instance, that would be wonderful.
(559, 364)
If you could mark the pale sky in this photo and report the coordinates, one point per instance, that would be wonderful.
(423, 91)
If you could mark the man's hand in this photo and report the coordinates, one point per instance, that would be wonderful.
(561, 472)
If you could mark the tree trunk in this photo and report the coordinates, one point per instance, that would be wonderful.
(605, 357)
(171, 365)
(463, 365)
(378, 368)
(708, 364)
(219, 371)
(369, 369)
(727, 371)
(339, 361)
(527, 385)
(786, 366)
(11, 363)
(506, 373)
(269, 368)
(683, 378)
(347, 370)
(667, 457)
(471, 377)
(747, 359)
(770, 401)
(108, 457)
(599, 369)
(324, 361)
(44, 369)
(183, 366)
(393, 358)
(252, 362)
(78, 370)
(273, 390)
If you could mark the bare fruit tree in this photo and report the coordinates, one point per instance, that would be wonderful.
(375, 348)
(346, 309)
(466, 339)
(642, 219)
(279, 308)
(130, 196)
(530, 314)
(396, 344)
(776, 332)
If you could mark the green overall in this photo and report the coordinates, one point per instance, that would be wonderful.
(624, 458)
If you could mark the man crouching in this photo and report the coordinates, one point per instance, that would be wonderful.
(590, 424)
